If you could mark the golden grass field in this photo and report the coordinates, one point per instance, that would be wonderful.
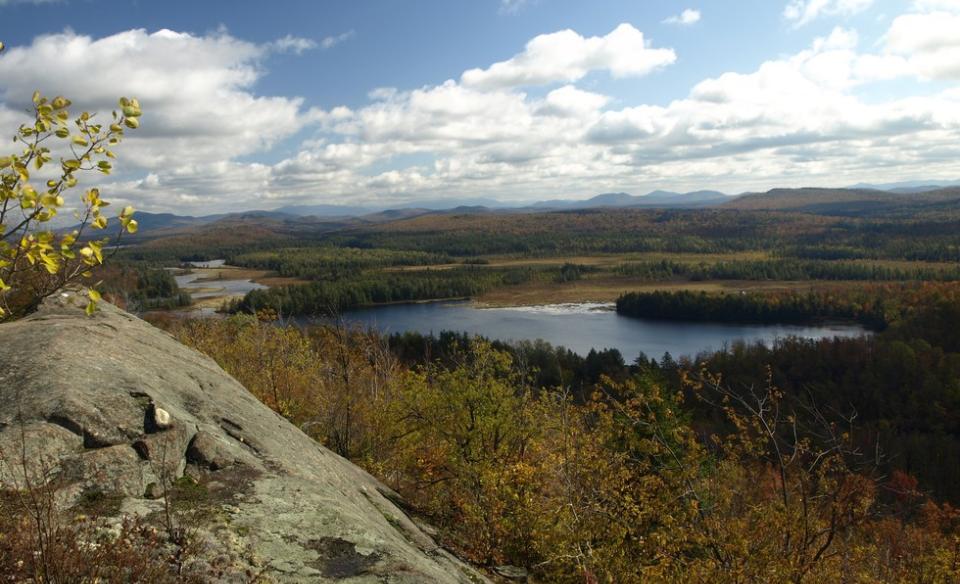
(597, 261)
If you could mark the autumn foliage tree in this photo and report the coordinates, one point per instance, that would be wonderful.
(622, 484)
(35, 260)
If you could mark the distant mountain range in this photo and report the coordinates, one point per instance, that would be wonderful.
(359, 211)
(374, 214)
(666, 199)
(662, 199)
(863, 199)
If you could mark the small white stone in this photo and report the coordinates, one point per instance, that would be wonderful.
(162, 418)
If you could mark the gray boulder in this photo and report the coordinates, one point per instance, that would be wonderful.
(110, 404)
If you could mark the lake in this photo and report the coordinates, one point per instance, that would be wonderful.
(581, 327)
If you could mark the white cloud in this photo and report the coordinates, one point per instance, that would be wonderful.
(566, 56)
(795, 120)
(930, 42)
(292, 44)
(332, 41)
(798, 119)
(802, 12)
(196, 92)
(685, 18)
(568, 101)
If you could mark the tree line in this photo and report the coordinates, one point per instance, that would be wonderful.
(317, 263)
(858, 305)
(332, 296)
(785, 269)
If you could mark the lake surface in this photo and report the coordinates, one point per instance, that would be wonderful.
(581, 327)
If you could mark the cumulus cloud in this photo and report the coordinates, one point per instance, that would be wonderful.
(802, 12)
(930, 41)
(196, 91)
(794, 120)
(799, 119)
(685, 18)
(801, 102)
(568, 101)
(567, 56)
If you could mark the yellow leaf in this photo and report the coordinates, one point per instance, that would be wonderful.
(50, 263)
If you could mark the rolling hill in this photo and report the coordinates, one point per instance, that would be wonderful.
(846, 202)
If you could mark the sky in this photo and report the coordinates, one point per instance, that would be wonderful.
(254, 105)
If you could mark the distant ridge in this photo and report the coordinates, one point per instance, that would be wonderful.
(865, 199)
(844, 202)
(654, 199)
(362, 210)
(913, 186)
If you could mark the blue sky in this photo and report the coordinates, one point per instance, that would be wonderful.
(258, 105)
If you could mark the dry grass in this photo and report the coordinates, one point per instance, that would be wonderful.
(596, 261)
(612, 260)
(233, 273)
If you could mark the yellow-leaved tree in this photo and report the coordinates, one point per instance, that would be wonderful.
(35, 260)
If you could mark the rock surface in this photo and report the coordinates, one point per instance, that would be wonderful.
(111, 404)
